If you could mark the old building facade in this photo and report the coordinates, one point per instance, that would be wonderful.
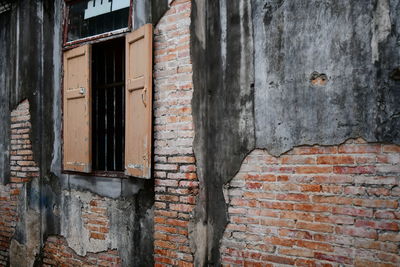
(268, 133)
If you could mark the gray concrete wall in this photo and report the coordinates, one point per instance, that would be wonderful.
(4, 96)
(354, 44)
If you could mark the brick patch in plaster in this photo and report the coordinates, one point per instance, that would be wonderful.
(87, 224)
(314, 206)
(95, 231)
(23, 169)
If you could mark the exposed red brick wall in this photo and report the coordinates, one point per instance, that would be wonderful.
(23, 169)
(57, 253)
(22, 164)
(95, 218)
(316, 206)
(175, 170)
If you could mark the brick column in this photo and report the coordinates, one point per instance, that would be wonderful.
(175, 170)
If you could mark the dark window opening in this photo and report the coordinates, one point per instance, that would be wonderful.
(108, 110)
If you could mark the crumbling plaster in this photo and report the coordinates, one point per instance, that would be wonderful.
(121, 217)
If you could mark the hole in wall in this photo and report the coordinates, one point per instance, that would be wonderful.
(318, 79)
(395, 74)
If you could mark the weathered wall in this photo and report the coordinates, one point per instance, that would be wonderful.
(27, 50)
(269, 74)
(352, 45)
(277, 74)
(223, 78)
(56, 210)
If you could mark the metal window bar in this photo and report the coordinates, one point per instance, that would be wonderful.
(108, 105)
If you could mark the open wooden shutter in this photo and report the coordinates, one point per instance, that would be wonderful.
(138, 124)
(77, 110)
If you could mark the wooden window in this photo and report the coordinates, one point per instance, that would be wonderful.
(138, 102)
(77, 110)
(108, 106)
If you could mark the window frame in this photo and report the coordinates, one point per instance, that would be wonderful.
(98, 37)
(120, 33)
(92, 173)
